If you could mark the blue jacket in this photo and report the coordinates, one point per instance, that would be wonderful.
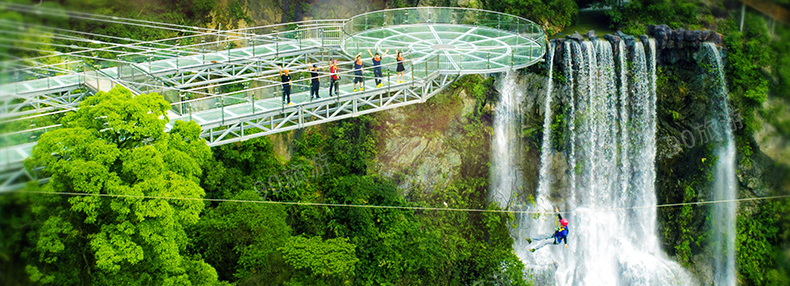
(561, 235)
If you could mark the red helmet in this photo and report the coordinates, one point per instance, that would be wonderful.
(564, 222)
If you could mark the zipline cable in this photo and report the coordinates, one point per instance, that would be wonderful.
(406, 207)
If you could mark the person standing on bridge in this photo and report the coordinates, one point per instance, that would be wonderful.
(377, 66)
(400, 68)
(314, 82)
(286, 78)
(358, 72)
(334, 78)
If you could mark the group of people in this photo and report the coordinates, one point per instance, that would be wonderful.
(334, 75)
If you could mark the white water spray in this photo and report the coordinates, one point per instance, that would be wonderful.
(615, 133)
(506, 145)
(724, 185)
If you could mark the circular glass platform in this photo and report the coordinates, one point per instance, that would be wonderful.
(458, 41)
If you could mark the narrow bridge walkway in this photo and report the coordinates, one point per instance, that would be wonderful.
(229, 82)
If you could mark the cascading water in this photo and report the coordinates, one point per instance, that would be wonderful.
(506, 144)
(724, 186)
(541, 265)
(544, 177)
(643, 152)
(611, 242)
(570, 123)
(625, 163)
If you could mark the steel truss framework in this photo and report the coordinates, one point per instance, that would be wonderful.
(240, 128)
(228, 82)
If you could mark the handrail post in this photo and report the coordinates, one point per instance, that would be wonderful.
(411, 64)
(178, 55)
(253, 45)
(181, 102)
(489, 59)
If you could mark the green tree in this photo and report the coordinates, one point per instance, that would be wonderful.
(238, 166)
(241, 240)
(115, 145)
(352, 145)
(553, 14)
(331, 259)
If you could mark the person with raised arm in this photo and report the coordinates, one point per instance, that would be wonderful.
(401, 68)
(358, 72)
(377, 66)
(560, 234)
(286, 79)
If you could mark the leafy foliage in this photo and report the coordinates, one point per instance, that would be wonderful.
(241, 239)
(115, 145)
(331, 258)
(556, 14)
(633, 16)
(759, 242)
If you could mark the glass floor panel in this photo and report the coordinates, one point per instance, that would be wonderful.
(458, 47)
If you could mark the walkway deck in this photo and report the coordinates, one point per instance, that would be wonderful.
(230, 86)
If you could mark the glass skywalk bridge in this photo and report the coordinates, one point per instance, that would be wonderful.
(229, 83)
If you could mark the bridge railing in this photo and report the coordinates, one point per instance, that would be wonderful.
(243, 43)
(24, 136)
(267, 87)
(436, 15)
(525, 49)
(23, 79)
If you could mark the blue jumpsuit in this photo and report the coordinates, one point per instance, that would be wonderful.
(560, 235)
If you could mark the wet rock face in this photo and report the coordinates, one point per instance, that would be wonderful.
(628, 39)
(615, 40)
(667, 38)
(576, 36)
(591, 35)
(661, 33)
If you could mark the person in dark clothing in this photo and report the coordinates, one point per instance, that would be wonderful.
(334, 78)
(401, 68)
(286, 78)
(559, 235)
(377, 66)
(314, 82)
(358, 72)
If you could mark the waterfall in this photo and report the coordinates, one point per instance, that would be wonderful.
(546, 153)
(570, 121)
(643, 151)
(724, 184)
(506, 145)
(610, 148)
(625, 164)
(541, 265)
